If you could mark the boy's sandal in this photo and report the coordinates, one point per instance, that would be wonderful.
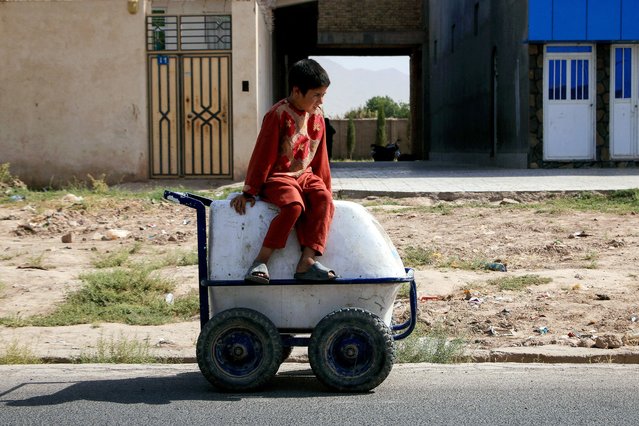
(257, 273)
(317, 272)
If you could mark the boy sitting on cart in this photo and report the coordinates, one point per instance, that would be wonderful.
(289, 167)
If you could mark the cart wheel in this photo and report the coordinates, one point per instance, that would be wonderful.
(351, 350)
(239, 349)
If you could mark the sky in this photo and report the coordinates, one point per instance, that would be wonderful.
(356, 79)
(373, 63)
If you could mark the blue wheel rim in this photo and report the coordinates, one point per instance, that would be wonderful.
(237, 352)
(350, 352)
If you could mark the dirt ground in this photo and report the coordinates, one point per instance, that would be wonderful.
(591, 259)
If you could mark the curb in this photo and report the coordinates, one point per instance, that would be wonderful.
(551, 354)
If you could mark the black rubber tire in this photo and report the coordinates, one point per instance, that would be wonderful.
(239, 350)
(351, 350)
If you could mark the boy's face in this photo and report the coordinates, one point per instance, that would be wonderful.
(309, 101)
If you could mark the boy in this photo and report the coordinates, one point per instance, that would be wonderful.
(289, 168)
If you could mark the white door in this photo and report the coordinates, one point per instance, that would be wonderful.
(624, 140)
(569, 102)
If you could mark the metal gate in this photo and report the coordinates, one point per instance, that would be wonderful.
(189, 106)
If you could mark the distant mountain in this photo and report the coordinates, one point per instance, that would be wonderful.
(351, 89)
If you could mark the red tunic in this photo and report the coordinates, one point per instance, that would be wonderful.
(291, 142)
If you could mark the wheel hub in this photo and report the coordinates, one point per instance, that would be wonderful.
(350, 351)
(238, 351)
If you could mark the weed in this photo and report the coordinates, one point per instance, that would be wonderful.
(35, 262)
(433, 346)
(99, 186)
(120, 351)
(180, 258)
(10, 255)
(5, 174)
(116, 258)
(457, 263)
(15, 353)
(518, 283)
(591, 257)
(419, 256)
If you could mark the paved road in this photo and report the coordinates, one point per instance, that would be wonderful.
(409, 179)
(462, 394)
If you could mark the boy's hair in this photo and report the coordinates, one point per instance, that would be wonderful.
(307, 74)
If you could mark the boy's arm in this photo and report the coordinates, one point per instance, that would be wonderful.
(320, 164)
(264, 154)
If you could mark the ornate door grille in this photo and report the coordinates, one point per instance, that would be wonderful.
(189, 92)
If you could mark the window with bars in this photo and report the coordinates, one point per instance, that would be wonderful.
(172, 33)
(623, 73)
(560, 78)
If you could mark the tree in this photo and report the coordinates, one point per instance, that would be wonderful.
(391, 108)
(350, 139)
(380, 136)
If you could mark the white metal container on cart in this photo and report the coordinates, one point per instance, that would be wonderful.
(248, 329)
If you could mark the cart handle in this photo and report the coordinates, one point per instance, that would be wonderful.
(409, 325)
(198, 203)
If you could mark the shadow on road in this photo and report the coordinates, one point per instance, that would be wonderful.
(163, 390)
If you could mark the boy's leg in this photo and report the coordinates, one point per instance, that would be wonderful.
(286, 194)
(314, 225)
(280, 226)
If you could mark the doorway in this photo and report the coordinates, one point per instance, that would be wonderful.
(624, 98)
(569, 103)
(189, 74)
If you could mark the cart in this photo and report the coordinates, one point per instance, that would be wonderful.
(249, 329)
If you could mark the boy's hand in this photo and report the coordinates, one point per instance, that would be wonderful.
(239, 203)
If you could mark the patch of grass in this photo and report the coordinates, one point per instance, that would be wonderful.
(116, 258)
(591, 257)
(35, 262)
(419, 256)
(131, 296)
(10, 255)
(457, 263)
(15, 353)
(620, 202)
(518, 283)
(120, 351)
(432, 346)
(99, 185)
(180, 258)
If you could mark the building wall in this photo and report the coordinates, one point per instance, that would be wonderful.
(369, 15)
(465, 125)
(583, 20)
(74, 97)
(73, 90)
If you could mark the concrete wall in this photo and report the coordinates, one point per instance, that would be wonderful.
(73, 95)
(365, 131)
(461, 86)
(245, 68)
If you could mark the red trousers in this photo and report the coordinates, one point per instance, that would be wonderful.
(306, 204)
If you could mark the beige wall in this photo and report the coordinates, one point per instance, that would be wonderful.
(73, 90)
(245, 104)
(73, 85)
(365, 131)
